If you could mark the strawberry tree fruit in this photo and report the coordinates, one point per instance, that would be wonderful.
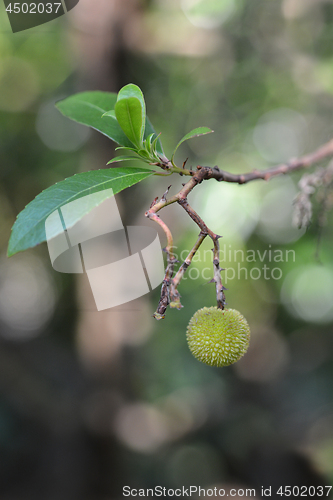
(218, 337)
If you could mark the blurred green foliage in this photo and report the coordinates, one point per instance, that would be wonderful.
(259, 73)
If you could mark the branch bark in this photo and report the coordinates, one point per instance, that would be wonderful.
(169, 292)
(284, 168)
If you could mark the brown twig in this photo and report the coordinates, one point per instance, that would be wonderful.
(284, 168)
(220, 296)
(169, 292)
(165, 298)
(174, 294)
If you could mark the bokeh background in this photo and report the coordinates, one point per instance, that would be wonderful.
(91, 402)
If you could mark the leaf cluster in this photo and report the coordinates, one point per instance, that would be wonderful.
(122, 118)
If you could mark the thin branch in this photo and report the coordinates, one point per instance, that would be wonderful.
(169, 292)
(326, 204)
(196, 218)
(284, 168)
(197, 178)
(220, 296)
(171, 259)
(181, 198)
(174, 294)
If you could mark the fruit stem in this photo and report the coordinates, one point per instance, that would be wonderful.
(171, 259)
(169, 292)
(174, 294)
(220, 296)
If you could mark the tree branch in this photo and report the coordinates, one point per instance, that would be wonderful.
(174, 294)
(169, 292)
(284, 168)
(220, 296)
(171, 259)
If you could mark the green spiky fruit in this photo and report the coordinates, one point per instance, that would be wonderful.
(216, 337)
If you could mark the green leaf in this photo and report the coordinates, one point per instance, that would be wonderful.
(157, 141)
(144, 154)
(29, 227)
(140, 154)
(126, 149)
(110, 113)
(148, 143)
(137, 158)
(194, 133)
(155, 145)
(130, 110)
(133, 91)
(88, 109)
(123, 158)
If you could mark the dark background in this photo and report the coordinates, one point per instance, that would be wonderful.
(91, 402)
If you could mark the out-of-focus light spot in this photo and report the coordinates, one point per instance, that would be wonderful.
(141, 427)
(144, 427)
(93, 18)
(280, 135)
(102, 335)
(292, 9)
(99, 340)
(57, 132)
(138, 328)
(196, 464)
(185, 410)
(306, 74)
(19, 85)
(307, 293)
(323, 74)
(186, 39)
(48, 54)
(27, 297)
(6, 47)
(321, 430)
(275, 223)
(266, 358)
(208, 14)
(322, 455)
(230, 210)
